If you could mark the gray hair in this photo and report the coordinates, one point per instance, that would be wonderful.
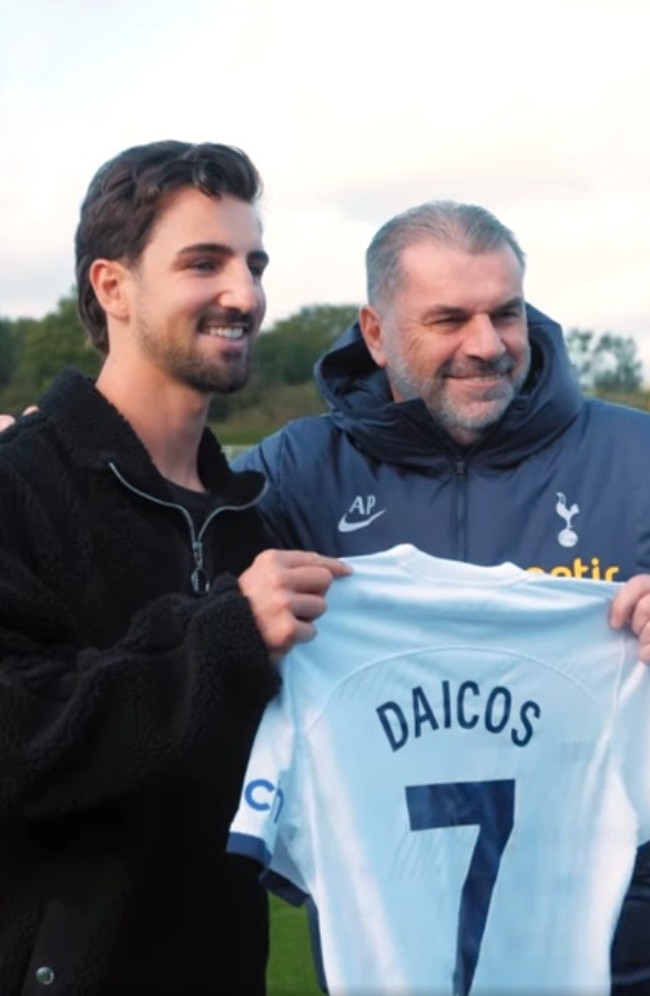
(467, 227)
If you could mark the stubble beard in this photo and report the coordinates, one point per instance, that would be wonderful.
(224, 375)
(465, 421)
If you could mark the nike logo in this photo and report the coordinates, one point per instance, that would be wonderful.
(351, 527)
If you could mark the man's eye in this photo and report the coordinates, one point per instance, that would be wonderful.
(446, 323)
(257, 267)
(203, 265)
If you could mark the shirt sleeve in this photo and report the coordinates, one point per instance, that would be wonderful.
(264, 828)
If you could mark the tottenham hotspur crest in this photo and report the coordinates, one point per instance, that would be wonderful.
(566, 536)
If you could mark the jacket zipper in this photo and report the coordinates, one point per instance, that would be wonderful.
(460, 468)
(199, 578)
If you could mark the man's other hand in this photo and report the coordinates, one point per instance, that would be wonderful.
(632, 605)
(7, 420)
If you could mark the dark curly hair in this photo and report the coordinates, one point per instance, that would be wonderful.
(125, 197)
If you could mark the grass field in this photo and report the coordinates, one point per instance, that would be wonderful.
(290, 972)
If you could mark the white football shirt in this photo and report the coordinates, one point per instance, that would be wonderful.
(457, 771)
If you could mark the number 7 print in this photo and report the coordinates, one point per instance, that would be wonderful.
(490, 806)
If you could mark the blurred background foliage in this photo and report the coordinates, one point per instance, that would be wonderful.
(32, 351)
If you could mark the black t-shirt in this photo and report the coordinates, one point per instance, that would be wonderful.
(199, 504)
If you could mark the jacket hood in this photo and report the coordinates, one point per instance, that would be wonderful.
(357, 392)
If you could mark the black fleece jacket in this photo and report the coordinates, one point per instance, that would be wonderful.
(127, 707)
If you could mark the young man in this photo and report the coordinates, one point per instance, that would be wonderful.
(456, 425)
(134, 664)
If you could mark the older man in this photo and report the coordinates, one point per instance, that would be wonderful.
(456, 425)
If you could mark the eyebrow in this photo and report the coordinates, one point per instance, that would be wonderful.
(450, 311)
(220, 249)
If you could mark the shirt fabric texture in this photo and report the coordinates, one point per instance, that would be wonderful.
(460, 761)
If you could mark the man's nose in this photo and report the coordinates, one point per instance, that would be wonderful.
(482, 339)
(240, 290)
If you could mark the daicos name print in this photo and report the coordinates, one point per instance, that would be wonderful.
(465, 707)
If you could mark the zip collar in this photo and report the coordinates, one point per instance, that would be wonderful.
(98, 435)
(199, 578)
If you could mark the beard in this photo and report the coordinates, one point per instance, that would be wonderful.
(223, 374)
(467, 418)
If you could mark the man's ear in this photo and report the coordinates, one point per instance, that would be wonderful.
(370, 325)
(109, 279)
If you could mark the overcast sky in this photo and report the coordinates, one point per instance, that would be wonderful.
(353, 110)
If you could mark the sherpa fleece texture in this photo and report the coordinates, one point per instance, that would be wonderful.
(127, 707)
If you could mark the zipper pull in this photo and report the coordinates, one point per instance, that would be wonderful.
(199, 578)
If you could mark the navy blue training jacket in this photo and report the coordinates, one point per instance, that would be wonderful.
(561, 484)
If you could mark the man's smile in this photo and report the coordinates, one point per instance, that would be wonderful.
(231, 332)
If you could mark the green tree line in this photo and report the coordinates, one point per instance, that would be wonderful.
(32, 351)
